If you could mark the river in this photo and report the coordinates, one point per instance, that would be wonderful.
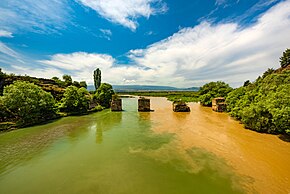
(156, 152)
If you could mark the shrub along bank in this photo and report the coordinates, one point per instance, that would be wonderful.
(25, 104)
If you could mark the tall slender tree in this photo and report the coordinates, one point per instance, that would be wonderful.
(97, 78)
(285, 59)
(1, 82)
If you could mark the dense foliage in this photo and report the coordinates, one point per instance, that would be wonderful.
(28, 103)
(83, 84)
(5, 113)
(1, 81)
(213, 90)
(104, 95)
(285, 59)
(75, 100)
(264, 105)
(97, 78)
(30, 100)
(67, 80)
(58, 81)
(1, 74)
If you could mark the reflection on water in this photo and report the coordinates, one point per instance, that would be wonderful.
(147, 152)
(145, 116)
(106, 122)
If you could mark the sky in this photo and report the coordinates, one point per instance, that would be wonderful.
(180, 43)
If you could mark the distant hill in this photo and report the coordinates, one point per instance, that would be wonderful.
(134, 88)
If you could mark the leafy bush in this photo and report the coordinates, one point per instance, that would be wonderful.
(75, 100)
(104, 95)
(83, 84)
(67, 80)
(76, 84)
(213, 90)
(5, 113)
(285, 59)
(28, 102)
(58, 81)
(97, 109)
(263, 106)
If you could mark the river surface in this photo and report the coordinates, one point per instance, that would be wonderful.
(144, 153)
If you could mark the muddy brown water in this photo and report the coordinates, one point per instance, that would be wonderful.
(262, 160)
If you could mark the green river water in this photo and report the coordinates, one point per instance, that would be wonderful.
(108, 152)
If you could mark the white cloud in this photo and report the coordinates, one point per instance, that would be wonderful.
(126, 81)
(4, 49)
(149, 33)
(79, 61)
(220, 2)
(4, 33)
(80, 64)
(125, 12)
(106, 33)
(41, 16)
(43, 72)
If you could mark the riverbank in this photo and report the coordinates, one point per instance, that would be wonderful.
(13, 125)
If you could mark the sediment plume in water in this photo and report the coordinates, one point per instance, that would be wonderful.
(262, 159)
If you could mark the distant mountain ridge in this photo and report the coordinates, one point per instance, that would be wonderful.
(134, 88)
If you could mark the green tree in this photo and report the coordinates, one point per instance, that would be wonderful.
(233, 100)
(246, 83)
(268, 72)
(67, 80)
(83, 84)
(5, 113)
(264, 105)
(285, 59)
(76, 84)
(28, 102)
(104, 95)
(58, 81)
(97, 78)
(75, 100)
(2, 75)
(213, 90)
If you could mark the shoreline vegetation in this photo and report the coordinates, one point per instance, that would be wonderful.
(262, 105)
(27, 101)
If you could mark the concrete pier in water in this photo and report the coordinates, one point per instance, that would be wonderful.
(144, 104)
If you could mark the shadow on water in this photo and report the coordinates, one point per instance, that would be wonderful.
(284, 137)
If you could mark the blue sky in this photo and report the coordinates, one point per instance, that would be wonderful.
(180, 43)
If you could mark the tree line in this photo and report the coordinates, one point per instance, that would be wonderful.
(263, 105)
(25, 103)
